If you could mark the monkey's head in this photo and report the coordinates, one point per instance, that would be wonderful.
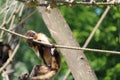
(31, 34)
(37, 36)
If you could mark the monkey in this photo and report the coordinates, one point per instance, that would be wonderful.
(49, 55)
(5, 53)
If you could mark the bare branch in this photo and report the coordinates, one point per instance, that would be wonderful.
(89, 3)
(55, 3)
(96, 26)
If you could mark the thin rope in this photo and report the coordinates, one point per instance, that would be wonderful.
(76, 3)
(59, 46)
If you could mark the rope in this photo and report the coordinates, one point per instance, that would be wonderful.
(59, 46)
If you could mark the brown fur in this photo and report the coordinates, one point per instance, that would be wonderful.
(5, 53)
(51, 58)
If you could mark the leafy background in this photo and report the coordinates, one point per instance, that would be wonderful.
(81, 20)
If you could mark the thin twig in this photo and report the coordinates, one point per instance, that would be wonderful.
(8, 7)
(24, 19)
(5, 74)
(97, 26)
(6, 21)
(66, 75)
(89, 3)
(12, 14)
(21, 10)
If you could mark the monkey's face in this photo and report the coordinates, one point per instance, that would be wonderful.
(37, 36)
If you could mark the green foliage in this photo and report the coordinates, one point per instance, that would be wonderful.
(115, 70)
(0, 77)
(81, 20)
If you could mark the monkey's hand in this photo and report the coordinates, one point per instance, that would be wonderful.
(42, 72)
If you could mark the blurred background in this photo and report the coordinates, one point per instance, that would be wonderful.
(81, 20)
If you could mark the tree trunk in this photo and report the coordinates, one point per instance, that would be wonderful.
(62, 34)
